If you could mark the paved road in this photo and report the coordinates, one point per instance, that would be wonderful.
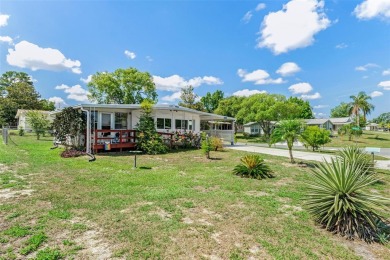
(298, 154)
(385, 152)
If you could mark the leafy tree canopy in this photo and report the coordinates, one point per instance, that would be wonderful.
(38, 122)
(341, 110)
(360, 103)
(211, 101)
(189, 98)
(303, 108)
(18, 92)
(230, 106)
(382, 118)
(123, 86)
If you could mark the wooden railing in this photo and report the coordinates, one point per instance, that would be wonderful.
(116, 138)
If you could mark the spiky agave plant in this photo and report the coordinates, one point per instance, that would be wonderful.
(353, 154)
(252, 166)
(338, 200)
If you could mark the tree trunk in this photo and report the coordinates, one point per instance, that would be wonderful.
(291, 155)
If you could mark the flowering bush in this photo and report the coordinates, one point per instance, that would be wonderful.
(72, 153)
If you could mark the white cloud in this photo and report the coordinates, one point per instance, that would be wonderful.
(313, 96)
(300, 88)
(33, 79)
(341, 46)
(171, 98)
(148, 58)
(29, 55)
(320, 115)
(4, 19)
(260, 6)
(320, 106)
(367, 66)
(6, 39)
(75, 92)
(288, 69)
(175, 82)
(376, 94)
(373, 8)
(385, 85)
(293, 27)
(86, 80)
(130, 54)
(247, 17)
(246, 92)
(259, 77)
(386, 72)
(58, 102)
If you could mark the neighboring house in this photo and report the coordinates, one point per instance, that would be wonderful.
(21, 115)
(321, 123)
(339, 122)
(372, 127)
(116, 123)
(254, 128)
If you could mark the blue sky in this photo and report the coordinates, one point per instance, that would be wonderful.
(322, 51)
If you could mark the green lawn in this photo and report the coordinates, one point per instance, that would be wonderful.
(178, 206)
(367, 139)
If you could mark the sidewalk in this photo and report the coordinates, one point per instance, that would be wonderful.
(298, 154)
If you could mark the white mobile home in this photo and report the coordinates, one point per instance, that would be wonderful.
(21, 115)
(117, 123)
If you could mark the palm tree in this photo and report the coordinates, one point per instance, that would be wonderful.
(289, 131)
(360, 103)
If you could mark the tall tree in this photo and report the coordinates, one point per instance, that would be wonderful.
(17, 92)
(360, 103)
(189, 99)
(382, 118)
(123, 86)
(289, 131)
(11, 77)
(341, 110)
(211, 101)
(264, 108)
(303, 108)
(230, 106)
(38, 122)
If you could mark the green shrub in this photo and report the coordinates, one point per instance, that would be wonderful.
(206, 145)
(148, 140)
(216, 143)
(353, 154)
(21, 131)
(339, 201)
(252, 166)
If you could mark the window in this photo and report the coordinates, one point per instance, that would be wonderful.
(120, 120)
(185, 124)
(191, 125)
(164, 123)
(106, 121)
(181, 124)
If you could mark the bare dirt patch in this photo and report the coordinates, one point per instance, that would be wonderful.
(9, 193)
(161, 213)
(255, 193)
(92, 241)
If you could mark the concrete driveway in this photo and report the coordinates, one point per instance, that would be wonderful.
(298, 154)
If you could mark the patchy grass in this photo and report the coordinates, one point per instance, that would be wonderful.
(182, 206)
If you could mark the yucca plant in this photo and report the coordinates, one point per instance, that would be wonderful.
(252, 166)
(339, 201)
(353, 154)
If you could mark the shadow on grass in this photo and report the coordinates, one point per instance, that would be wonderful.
(145, 168)
(378, 138)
